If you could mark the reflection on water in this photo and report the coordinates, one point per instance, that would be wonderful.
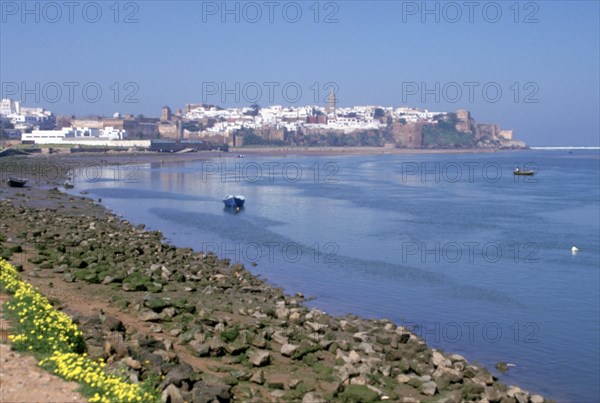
(233, 210)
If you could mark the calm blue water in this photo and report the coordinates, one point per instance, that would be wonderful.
(475, 260)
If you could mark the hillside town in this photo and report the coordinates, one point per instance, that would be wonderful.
(275, 125)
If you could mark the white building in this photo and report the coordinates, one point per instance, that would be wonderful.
(48, 136)
(26, 118)
(69, 135)
(9, 107)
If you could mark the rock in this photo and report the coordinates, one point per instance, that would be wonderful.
(236, 348)
(457, 358)
(259, 342)
(472, 391)
(282, 313)
(179, 373)
(347, 372)
(353, 357)
(295, 317)
(168, 313)
(288, 350)
(199, 349)
(448, 374)
(360, 336)
(358, 380)
(493, 394)
(258, 377)
(112, 324)
(108, 279)
(428, 388)
(260, 358)
(207, 393)
(148, 316)
(536, 399)
(438, 359)
(131, 363)
(279, 338)
(172, 395)
(404, 338)
(502, 366)
(366, 347)
(315, 327)
(402, 378)
(313, 397)
(518, 393)
(305, 348)
(386, 370)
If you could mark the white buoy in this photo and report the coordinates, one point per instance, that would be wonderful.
(574, 249)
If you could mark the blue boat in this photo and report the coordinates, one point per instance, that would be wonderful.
(239, 201)
(229, 201)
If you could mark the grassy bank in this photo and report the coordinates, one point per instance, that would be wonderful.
(38, 328)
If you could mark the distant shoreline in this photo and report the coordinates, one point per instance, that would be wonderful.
(358, 150)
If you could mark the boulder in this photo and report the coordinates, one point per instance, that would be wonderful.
(353, 357)
(148, 316)
(438, 359)
(448, 374)
(288, 350)
(313, 397)
(172, 395)
(258, 377)
(199, 349)
(179, 373)
(536, 399)
(428, 388)
(208, 393)
(260, 358)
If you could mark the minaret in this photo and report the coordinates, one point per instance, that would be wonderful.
(332, 102)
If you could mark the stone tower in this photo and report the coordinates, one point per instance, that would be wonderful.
(463, 121)
(332, 102)
(166, 114)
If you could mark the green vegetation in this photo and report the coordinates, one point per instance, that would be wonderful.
(365, 138)
(229, 335)
(50, 334)
(444, 134)
(358, 393)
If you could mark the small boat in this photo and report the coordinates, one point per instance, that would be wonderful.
(239, 200)
(16, 183)
(524, 172)
(229, 201)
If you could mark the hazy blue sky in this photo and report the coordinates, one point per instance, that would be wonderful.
(543, 56)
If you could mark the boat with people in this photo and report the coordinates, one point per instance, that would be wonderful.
(524, 172)
(16, 183)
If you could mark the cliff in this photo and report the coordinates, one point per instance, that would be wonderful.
(460, 130)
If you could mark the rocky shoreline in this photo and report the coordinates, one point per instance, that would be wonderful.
(213, 330)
